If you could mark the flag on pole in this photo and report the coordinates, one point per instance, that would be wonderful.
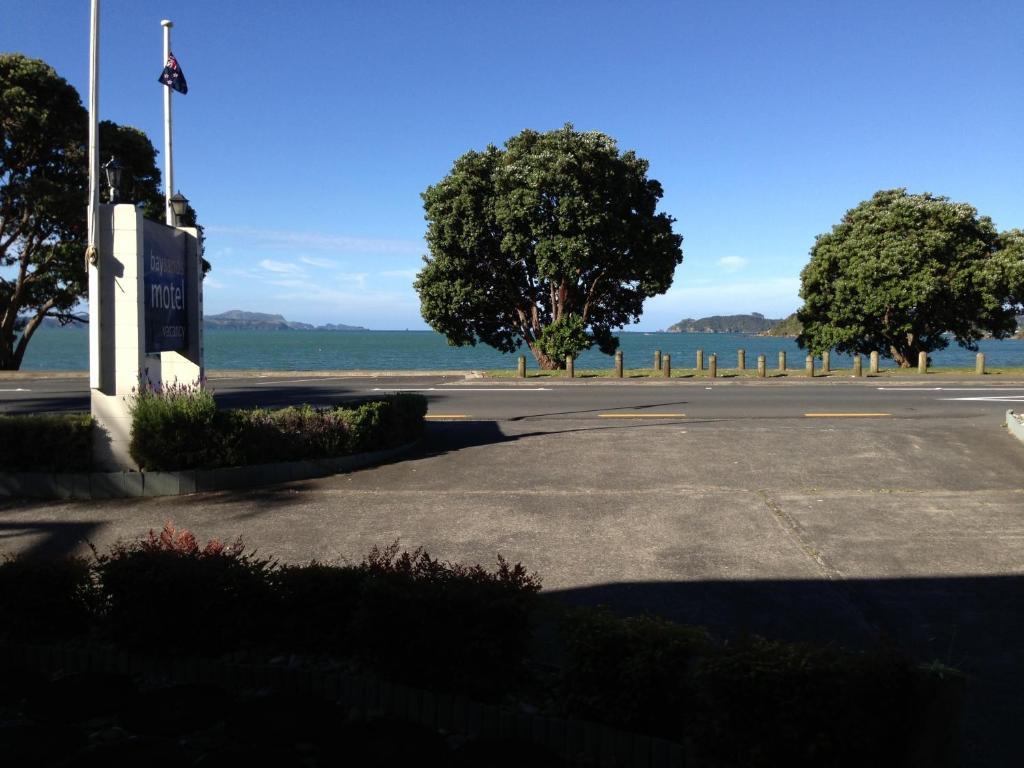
(172, 76)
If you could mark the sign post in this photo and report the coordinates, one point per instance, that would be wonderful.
(149, 306)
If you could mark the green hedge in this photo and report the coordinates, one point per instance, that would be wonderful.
(57, 443)
(466, 629)
(754, 702)
(182, 428)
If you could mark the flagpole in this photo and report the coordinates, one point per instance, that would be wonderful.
(168, 148)
(92, 225)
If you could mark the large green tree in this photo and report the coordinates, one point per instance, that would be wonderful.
(553, 241)
(43, 197)
(903, 273)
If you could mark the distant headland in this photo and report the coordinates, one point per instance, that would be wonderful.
(755, 322)
(240, 320)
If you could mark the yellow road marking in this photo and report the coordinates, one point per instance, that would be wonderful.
(641, 415)
(447, 416)
(844, 415)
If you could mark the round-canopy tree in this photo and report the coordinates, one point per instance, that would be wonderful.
(553, 241)
(902, 271)
(43, 197)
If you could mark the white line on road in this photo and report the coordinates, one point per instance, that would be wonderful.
(460, 389)
(19, 389)
(993, 399)
(995, 388)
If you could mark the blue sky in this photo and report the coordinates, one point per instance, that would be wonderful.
(310, 129)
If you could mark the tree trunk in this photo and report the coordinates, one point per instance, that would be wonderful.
(903, 358)
(546, 363)
(8, 360)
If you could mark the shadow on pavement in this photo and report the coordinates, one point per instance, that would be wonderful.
(974, 624)
(57, 539)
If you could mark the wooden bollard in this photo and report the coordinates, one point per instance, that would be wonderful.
(922, 362)
(741, 359)
(666, 366)
(874, 362)
(857, 370)
(713, 365)
(570, 369)
(657, 359)
(761, 367)
(521, 367)
(979, 364)
(809, 366)
(782, 360)
(618, 363)
(826, 362)
(700, 359)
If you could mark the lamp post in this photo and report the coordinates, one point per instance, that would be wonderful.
(112, 168)
(179, 207)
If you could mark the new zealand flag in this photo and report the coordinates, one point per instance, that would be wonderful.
(172, 76)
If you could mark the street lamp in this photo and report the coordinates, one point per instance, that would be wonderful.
(179, 206)
(113, 169)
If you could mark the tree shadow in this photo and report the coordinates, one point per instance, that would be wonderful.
(971, 623)
(57, 539)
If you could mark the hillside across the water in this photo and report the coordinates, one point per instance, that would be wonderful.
(752, 323)
(240, 320)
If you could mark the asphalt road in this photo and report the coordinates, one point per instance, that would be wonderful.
(486, 399)
(895, 510)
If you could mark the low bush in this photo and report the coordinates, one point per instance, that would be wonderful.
(466, 629)
(756, 703)
(314, 606)
(46, 443)
(768, 703)
(632, 672)
(45, 599)
(173, 427)
(167, 592)
(180, 427)
(434, 623)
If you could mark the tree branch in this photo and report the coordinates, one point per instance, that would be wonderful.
(590, 295)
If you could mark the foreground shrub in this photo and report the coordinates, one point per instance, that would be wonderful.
(45, 599)
(769, 703)
(167, 592)
(435, 623)
(632, 672)
(314, 606)
(51, 443)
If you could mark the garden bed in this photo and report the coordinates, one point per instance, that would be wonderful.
(455, 649)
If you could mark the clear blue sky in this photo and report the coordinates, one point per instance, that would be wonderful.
(311, 128)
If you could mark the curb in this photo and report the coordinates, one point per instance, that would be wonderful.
(123, 485)
(1015, 425)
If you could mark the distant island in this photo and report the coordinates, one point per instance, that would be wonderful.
(752, 323)
(788, 327)
(240, 320)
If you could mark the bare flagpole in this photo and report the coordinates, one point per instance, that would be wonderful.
(168, 148)
(91, 252)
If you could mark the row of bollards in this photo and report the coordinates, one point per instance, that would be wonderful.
(663, 363)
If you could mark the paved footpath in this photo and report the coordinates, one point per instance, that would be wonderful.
(830, 529)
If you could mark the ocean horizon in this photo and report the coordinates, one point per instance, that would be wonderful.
(65, 349)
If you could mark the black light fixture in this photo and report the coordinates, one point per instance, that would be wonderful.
(113, 170)
(179, 207)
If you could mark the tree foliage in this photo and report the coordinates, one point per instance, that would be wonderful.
(44, 194)
(553, 241)
(901, 271)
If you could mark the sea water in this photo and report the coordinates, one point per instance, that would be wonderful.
(67, 349)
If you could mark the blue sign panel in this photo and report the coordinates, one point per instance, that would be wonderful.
(165, 285)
